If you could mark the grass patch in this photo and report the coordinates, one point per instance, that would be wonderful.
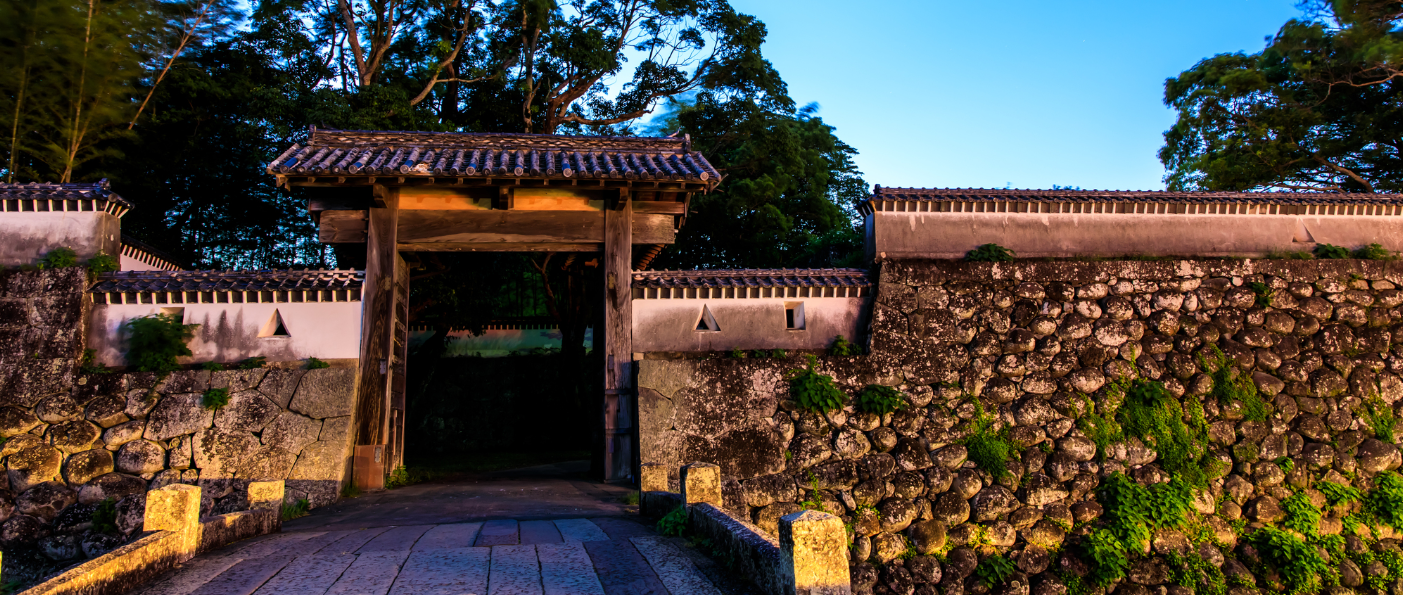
(629, 499)
(1373, 252)
(316, 364)
(1101, 429)
(296, 510)
(404, 476)
(252, 363)
(1379, 416)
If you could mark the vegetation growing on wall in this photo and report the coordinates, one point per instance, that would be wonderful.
(215, 398)
(154, 342)
(990, 253)
(1232, 386)
(1153, 415)
(1132, 513)
(988, 447)
(814, 391)
(879, 399)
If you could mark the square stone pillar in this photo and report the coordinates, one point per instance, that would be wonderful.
(653, 477)
(266, 495)
(175, 508)
(813, 554)
(701, 482)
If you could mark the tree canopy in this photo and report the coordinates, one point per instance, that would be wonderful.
(1318, 109)
(184, 113)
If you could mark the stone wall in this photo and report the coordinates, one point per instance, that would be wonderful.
(1320, 341)
(74, 439)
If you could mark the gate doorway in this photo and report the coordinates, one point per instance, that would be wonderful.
(614, 199)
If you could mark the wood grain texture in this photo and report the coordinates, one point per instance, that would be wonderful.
(618, 337)
(534, 227)
(500, 247)
(377, 307)
(342, 226)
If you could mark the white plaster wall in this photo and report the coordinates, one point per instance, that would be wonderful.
(132, 264)
(26, 236)
(670, 324)
(229, 332)
(1033, 235)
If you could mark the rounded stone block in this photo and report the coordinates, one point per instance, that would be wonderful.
(87, 465)
(140, 457)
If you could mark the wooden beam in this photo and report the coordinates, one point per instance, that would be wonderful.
(618, 340)
(659, 207)
(337, 227)
(532, 227)
(377, 321)
(502, 247)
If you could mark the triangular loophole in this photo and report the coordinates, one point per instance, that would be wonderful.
(274, 327)
(707, 322)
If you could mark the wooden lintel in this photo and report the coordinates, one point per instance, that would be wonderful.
(661, 207)
(507, 226)
(503, 247)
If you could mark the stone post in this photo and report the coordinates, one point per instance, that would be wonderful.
(701, 482)
(653, 477)
(175, 508)
(266, 495)
(813, 554)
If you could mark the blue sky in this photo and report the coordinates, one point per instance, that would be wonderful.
(989, 94)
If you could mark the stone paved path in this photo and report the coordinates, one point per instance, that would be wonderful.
(602, 556)
(536, 531)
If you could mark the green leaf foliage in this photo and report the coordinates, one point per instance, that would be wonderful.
(215, 398)
(1231, 385)
(990, 253)
(842, 347)
(1301, 516)
(154, 342)
(1385, 501)
(89, 364)
(879, 399)
(1380, 417)
(296, 510)
(1132, 513)
(59, 258)
(1330, 251)
(1300, 565)
(1316, 109)
(814, 391)
(105, 516)
(674, 523)
(1152, 414)
(1264, 293)
(989, 448)
(252, 363)
(316, 364)
(995, 570)
(103, 262)
(1373, 252)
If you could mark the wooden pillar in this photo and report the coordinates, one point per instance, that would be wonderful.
(618, 338)
(377, 330)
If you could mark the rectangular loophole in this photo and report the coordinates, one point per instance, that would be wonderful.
(794, 316)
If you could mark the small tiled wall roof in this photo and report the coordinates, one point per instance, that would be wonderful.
(166, 281)
(95, 196)
(143, 252)
(350, 153)
(754, 278)
(1134, 201)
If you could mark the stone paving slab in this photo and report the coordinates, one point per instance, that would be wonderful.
(562, 557)
(621, 528)
(580, 530)
(515, 571)
(354, 541)
(191, 575)
(675, 570)
(567, 570)
(498, 533)
(448, 536)
(448, 571)
(395, 539)
(371, 574)
(308, 575)
(245, 577)
(622, 570)
(537, 532)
